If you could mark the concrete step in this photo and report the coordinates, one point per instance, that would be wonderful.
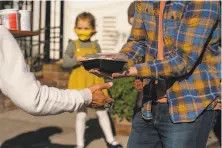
(52, 67)
(55, 75)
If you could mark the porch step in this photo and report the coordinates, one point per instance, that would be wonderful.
(52, 67)
(55, 75)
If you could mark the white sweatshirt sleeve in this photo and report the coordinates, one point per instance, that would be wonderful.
(21, 86)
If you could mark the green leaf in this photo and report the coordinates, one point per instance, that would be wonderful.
(124, 95)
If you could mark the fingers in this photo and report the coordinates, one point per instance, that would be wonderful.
(138, 85)
(105, 86)
(99, 99)
(80, 58)
(132, 71)
(100, 102)
(218, 106)
(99, 73)
(114, 75)
(100, 87)
(109, 100)
(96, 71)
(119, 75)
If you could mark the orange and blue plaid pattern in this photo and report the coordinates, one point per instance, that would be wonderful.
(192, 57)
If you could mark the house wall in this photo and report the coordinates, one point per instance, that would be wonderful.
(111, 21)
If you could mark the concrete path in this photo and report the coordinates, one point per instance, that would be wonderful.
(21, 130)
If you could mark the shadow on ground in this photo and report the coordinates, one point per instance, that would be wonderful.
(41, 137)
(94, 130)
(35, 139)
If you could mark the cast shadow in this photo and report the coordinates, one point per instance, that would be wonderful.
(94, 130)
(35, 139)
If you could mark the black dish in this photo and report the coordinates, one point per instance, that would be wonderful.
(109, 66)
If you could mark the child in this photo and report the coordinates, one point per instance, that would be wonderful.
(80, 78)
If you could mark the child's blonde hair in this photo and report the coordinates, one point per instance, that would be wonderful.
(88, 16)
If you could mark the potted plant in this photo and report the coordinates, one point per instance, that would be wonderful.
(124, 94)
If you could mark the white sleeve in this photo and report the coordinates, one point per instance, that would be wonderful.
(21, 86)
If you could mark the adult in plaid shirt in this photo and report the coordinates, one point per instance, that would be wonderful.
(190, 67)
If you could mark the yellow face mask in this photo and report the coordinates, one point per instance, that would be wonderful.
(84, 35)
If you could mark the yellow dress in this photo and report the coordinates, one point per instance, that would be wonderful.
(80, 78)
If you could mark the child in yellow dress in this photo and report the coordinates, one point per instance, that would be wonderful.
(80, 78)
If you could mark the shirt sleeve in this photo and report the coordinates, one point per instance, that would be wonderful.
(98, 48)
(21, 86)
(193, 32)
(136, 43)
(69, 60)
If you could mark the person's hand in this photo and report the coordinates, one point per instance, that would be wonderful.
(99, 99)
(130, 72)
(101, 74)
(80, 58)
(138, 84)
(218, 105)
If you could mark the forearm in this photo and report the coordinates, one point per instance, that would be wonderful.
(192, 35)
(69, 62)
(136, 45)
(135, 52)
(20, 85)
(50, 100)
(172, 66)
(43, 100)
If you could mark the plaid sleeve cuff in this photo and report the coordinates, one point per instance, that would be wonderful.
(130, 63)
(143, 70)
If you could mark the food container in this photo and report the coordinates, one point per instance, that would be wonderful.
(109, 66)
(25, 20)
(10, 18)
(109, 63)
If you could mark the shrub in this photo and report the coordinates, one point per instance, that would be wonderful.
(124, 94)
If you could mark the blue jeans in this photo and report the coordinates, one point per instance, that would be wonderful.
(162, 133)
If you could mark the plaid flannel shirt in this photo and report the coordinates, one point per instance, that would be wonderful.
(192, 57)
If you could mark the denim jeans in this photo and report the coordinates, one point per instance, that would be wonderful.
(160, 132)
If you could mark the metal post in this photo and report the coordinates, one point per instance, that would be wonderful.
(40, 23)
(47, 32)
(61, 29)
(32, 11)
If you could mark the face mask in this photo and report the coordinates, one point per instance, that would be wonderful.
(84, 35)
